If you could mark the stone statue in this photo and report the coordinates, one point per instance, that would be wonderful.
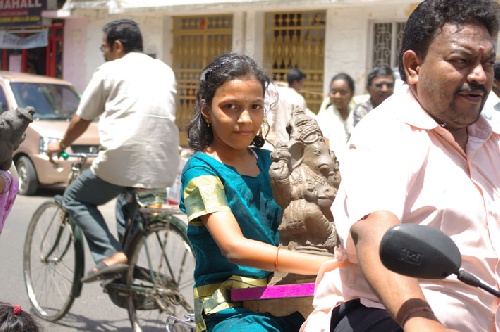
(304, 179)
(12, 132)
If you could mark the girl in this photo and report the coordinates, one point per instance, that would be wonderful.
(335, 116)
(226, 194)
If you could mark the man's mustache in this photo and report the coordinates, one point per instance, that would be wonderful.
(472, 87)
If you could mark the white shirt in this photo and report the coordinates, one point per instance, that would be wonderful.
(280, 113)
(333, 127)
(418, 172)
(134, 98)
(491, 108)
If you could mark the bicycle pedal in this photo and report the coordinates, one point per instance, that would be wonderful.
(107, 279)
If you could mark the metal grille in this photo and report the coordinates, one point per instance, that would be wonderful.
(197, 40)
(387, 43)
(297, 39)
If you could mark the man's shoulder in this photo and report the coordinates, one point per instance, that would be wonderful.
(390, 111)
(363, 106)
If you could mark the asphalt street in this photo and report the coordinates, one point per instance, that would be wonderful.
(92, 311)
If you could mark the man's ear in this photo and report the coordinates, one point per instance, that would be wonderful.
(411, 63)
(118, 48)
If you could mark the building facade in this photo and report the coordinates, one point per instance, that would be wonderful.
(321, 37)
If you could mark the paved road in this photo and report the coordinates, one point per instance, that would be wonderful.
(92, 311)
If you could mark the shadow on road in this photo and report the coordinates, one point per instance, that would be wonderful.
(50, 191)
(82, 323)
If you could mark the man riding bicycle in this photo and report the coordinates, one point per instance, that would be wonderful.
(134, 97)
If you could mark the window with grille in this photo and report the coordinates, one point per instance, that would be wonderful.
(297, 39)
(386, 43)
(197, 40)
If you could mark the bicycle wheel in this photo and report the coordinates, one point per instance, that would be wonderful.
(52, 261)
(160, 275)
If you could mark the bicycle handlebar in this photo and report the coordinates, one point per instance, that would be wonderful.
(81, 155)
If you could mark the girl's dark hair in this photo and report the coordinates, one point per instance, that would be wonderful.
(127, 32)
(431, 15)
(14, 319)
(225, 67)
(346, 77)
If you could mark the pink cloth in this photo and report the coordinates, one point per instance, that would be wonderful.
(8, 197)
(400, 160)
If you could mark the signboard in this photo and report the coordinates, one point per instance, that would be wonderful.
(13, 41)
(21, 12)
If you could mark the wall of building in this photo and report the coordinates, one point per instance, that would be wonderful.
(83, 35)
(348, 39)
(347, 46)
(74, 60)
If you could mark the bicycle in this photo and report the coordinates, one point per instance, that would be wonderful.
(158, 283)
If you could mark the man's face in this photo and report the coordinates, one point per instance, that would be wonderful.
(454, 79)
(380, 88)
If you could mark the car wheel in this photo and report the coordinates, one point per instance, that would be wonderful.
(28, 181)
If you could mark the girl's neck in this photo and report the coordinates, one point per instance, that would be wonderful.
(244, 161)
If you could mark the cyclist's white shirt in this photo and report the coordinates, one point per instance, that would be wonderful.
(134, 98)
(400, 160)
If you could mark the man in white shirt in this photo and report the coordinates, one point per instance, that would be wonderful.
(134, 97)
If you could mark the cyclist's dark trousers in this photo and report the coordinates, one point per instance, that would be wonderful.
(352, 316)
(82, 199)
(122, 212)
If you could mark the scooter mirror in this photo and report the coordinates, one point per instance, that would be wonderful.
(419, 251)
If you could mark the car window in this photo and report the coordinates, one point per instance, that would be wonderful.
(51, 101)
(3, 101)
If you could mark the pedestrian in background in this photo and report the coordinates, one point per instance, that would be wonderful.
(335, 116)
(379, 85)
(280, 113)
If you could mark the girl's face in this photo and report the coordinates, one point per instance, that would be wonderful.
(236, 113)
(340, 94)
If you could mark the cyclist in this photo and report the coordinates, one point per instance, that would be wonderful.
(134, 97)
(424, 156)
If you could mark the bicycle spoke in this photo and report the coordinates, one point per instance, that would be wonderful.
(49, 262)
(159, 251)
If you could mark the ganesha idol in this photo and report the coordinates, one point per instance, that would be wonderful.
(304, 179)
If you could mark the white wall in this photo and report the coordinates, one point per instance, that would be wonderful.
(74, 60)
(348, 40)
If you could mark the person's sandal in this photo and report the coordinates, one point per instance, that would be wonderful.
(104, 271)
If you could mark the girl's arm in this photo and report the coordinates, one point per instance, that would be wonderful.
(242, 251)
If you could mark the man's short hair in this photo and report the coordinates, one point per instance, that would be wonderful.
(294, 74)
(431, 15)
(383, 70)
(127, 32)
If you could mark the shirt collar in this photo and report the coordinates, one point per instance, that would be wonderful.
(414, 115)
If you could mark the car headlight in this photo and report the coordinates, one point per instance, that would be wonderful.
(44, 142)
